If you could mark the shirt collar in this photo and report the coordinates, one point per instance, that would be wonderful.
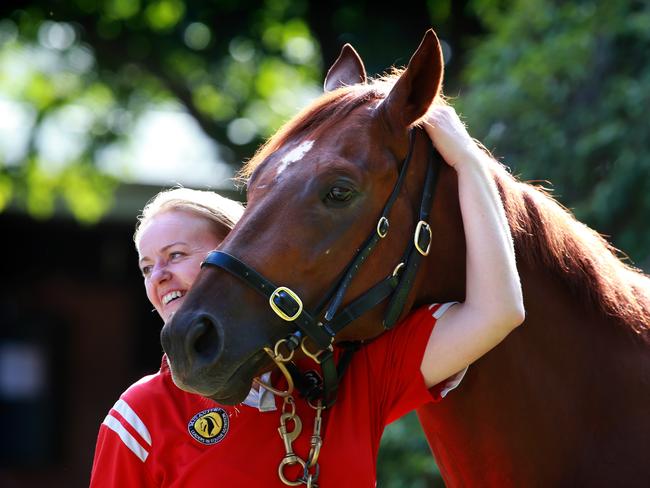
(261, 398)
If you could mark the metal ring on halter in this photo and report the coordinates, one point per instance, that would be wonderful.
(312, 355)
(423, 231)
(382, 227)
(272, 389)
(290, 461)
(285, 372)
(398, 268)
(309, 402)
(289, 400)
(280, 357)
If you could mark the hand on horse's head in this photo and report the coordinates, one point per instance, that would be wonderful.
(450, 137)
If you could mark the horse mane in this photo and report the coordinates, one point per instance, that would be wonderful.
(328, 109)
(546, 234)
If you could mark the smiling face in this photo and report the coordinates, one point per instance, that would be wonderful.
(171, 248)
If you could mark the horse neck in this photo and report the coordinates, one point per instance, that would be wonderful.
(540, 393)
(569, 380)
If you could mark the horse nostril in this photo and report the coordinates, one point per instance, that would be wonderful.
(204, 340)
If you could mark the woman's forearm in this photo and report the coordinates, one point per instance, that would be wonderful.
(492, 281)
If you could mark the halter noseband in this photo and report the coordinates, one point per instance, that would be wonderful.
(321, 332)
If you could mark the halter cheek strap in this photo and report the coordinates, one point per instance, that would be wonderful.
(419, 246)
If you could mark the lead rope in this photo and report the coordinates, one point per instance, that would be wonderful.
(310, 467)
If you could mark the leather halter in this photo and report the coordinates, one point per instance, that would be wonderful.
(321, 331)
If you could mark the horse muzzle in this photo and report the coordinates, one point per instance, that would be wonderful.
(194, 345)
(201, 364)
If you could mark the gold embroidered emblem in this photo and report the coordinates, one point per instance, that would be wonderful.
(209, 426)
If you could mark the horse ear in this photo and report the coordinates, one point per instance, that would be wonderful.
(347, 70)
(416, 88)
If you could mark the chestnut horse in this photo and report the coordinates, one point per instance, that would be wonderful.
(563, 401)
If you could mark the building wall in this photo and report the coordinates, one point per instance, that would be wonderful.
(75, 331)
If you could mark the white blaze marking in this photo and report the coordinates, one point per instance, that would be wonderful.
(296, 154)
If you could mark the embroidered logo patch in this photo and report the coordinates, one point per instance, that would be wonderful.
(209, 426)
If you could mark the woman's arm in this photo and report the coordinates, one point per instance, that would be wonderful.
(493, 304)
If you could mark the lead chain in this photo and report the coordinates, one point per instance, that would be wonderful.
(310, 468)
(316, 442)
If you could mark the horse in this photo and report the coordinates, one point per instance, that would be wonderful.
(562, 401)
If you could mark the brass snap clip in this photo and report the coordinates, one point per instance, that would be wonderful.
(290, 458)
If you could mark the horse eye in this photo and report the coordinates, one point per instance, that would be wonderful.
(339, 194)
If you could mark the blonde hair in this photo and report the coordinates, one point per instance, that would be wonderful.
(220, 211)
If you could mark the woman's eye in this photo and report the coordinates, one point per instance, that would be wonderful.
(339, 194)
(146, 270)
(175, 255)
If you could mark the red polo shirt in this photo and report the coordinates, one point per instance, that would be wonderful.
(152, 437)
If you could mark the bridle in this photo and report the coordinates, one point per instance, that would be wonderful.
(320, 329)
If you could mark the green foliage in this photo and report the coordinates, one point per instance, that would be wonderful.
(82, 73)
(405, 458)
(163, 15)
(239, 68)
(559, 91)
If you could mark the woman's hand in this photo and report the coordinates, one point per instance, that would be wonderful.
(450, 137)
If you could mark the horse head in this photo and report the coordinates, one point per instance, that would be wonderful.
(316, 192)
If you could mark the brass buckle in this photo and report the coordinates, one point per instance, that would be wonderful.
(278, 310)
(422, 225)
(382, 227)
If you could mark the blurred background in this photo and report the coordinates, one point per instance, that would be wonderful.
(104, 102)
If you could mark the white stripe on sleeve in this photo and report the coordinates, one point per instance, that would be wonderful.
(132, 418)
(453, 381)
(129, 441)
(442, 309)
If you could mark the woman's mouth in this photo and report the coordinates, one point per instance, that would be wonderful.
(172, 295)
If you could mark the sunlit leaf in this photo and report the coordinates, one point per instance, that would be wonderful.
(40, 192)
(213, 103)
(121, 9)
(87, 193)
(164, 14)
(40, 91)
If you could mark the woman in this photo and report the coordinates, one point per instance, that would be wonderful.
(158, 435)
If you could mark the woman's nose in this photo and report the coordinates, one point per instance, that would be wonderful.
(160, 273)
